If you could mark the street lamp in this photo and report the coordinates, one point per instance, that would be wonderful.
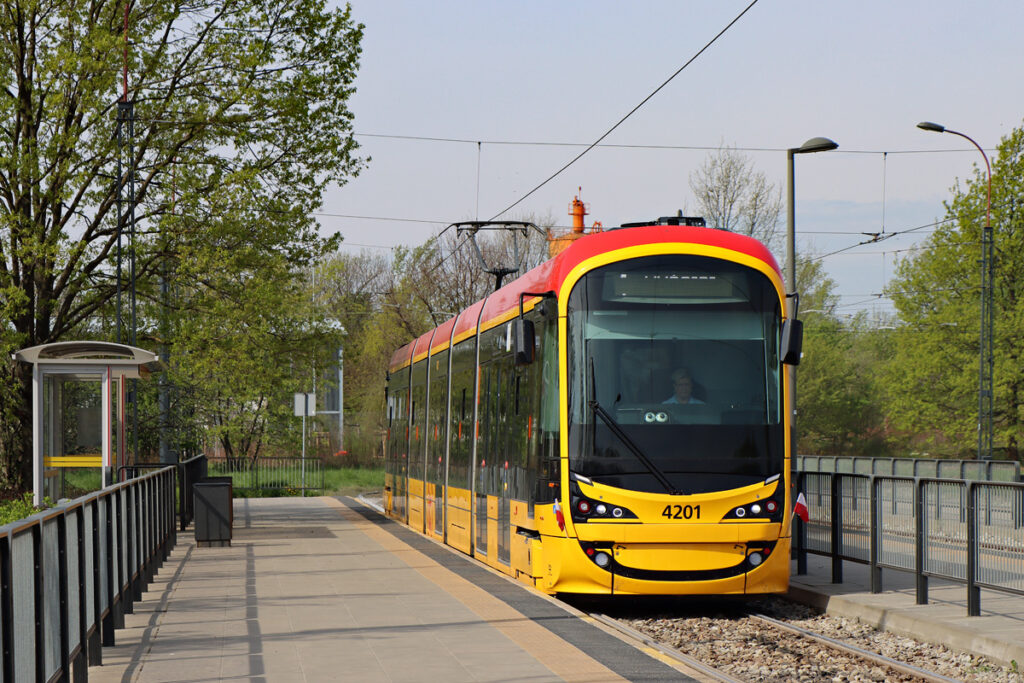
(985, 357)
(809, 147)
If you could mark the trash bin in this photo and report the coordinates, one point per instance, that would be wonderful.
(214, 516)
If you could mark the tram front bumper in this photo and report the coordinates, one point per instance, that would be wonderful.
(749, 558)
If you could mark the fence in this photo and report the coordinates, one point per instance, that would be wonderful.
(69, 574)
(189, 472)
(296, 474)
(970, 532)
(980, 470)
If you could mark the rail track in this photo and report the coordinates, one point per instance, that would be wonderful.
(741, 644)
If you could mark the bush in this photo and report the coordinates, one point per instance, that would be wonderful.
(15, 509)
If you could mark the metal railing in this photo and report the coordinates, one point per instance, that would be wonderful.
(189, 472)
(980, 470)
(69, 574)
(970, 532)
(296, 474)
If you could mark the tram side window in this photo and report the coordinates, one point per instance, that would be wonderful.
(547, 419)
(461, 423)
(418, 426)
(495, 367)
(437, 413)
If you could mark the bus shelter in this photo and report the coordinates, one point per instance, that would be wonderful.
(78, 407)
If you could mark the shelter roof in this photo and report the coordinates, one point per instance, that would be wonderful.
(88, 353)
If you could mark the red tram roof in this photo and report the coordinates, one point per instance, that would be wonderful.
(550, 275)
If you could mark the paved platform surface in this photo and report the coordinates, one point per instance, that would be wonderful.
(998, 633)
(321, 589)
(317, 589)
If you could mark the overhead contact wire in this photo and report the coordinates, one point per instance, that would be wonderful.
(631, 112)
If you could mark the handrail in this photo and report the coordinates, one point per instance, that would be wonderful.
(983, 470)
(70, 573)
(960, 530)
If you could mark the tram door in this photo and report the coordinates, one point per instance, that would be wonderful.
(436, 426)
(417, 446)
(495, 461)
(484, 461)
(398, 445)
(504, 457)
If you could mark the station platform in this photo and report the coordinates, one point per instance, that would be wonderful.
(326, 589)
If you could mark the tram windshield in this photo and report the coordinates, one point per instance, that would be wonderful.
(674, 375)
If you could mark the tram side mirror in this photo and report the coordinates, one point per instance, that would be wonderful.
(522, 341)
(792, 341)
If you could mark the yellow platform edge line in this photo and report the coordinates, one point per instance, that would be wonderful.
(564, 659)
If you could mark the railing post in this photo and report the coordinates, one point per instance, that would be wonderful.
(38, 608)
(131, 533)
(64, 637)
(81, 662)
(874, 532)
(973, 591)
(919, 534)
(108, 541)
(6, 610)
(837, 539)
(96, 639)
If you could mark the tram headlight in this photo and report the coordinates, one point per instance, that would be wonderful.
(755, 559)
(762, 509)
(649, 417)
(586, 509)
(602, 560)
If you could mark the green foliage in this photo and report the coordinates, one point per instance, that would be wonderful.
(931, 382)
(383, 303)
(241, 120)
(20, 508)
(838, 412)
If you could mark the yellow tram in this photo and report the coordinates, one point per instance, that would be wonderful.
(614, 421)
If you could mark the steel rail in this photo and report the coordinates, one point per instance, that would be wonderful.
(874, 657)
(686, 660)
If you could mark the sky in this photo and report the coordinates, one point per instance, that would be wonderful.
(465, 106)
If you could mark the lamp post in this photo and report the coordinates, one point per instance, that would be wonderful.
(809, 147)
(985, 357)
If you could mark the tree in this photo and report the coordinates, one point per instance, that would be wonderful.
(239, 120)
(383, 302)
(932, 380)
(733, 196)
(837, 408)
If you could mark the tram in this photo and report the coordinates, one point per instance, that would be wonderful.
(614, 421)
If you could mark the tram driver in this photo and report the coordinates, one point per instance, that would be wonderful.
(682, 382)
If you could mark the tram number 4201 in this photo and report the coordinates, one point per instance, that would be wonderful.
(681, 512)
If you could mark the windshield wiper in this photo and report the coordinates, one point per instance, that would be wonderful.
(624, 438)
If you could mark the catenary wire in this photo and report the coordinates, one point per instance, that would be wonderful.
(611, 145)
(630, 113)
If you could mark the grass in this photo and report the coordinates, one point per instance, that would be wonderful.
(351, 482)
(338, 481)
